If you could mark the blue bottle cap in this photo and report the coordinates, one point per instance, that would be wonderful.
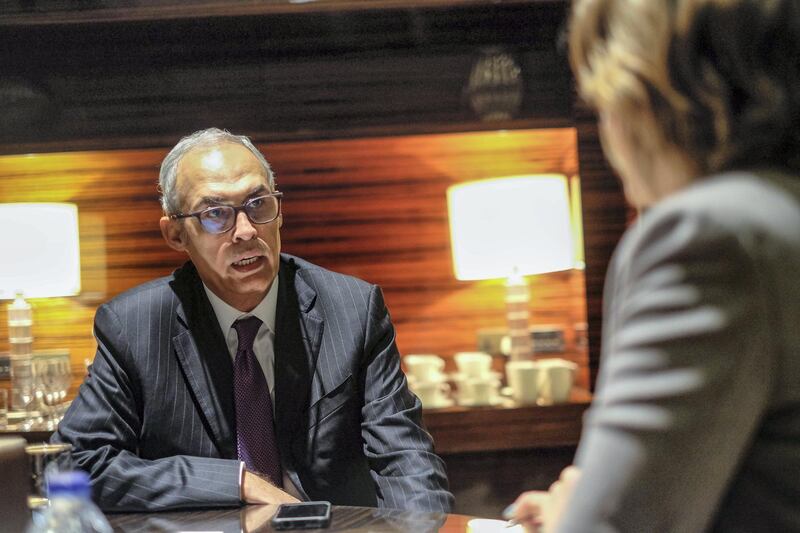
(74, 483)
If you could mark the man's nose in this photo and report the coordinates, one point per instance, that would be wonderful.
(243, 229)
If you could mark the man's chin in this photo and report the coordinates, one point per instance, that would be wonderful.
(245, 296)
(250, 283)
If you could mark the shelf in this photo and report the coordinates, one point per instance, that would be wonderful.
(481, 429)
(507, 427)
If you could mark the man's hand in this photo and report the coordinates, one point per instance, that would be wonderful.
(256, 517)
(542, 511)
(256, 489)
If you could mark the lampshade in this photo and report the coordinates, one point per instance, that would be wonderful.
(517, 225)
(40, 248)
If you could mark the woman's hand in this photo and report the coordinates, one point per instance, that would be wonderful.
(529, 508)
(542, 511)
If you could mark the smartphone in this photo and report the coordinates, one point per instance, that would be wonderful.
(304, 515)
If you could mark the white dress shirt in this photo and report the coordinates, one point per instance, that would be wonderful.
(263, 346)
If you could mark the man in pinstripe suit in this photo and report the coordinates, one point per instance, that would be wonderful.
(155, 424)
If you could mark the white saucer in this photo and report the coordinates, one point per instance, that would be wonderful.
(457, 376)
(438, 377)
(470, 403)
(447, 402)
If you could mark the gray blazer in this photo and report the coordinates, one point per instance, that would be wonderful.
(696, 423)
(154, 422)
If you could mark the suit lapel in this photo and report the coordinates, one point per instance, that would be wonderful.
(298, 334)
(204, 358)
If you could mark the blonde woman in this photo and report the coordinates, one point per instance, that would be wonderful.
(696, 421)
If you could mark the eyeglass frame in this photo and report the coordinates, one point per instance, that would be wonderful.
(278, 195)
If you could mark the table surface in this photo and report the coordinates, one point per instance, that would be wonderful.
(255, 518)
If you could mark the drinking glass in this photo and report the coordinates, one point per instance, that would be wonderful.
(63, 380)
(50, 390)
(43, 394)
(27, 398)
(3, 408)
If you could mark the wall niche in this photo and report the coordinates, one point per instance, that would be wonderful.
(374, 207)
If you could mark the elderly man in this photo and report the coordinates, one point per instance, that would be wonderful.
(247, 375)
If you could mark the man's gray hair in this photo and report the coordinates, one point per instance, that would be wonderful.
(208, 137)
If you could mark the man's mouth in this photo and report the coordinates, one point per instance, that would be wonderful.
(246, 261)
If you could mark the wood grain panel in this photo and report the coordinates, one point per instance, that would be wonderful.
(374, 208)
(605, 213)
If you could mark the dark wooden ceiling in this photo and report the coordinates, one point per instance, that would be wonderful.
(69, 11)
(89, 75)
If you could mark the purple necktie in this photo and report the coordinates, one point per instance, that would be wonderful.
(255, 427)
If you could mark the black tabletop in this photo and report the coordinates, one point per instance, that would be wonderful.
(256, 518)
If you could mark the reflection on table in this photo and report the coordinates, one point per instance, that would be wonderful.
(256, 518)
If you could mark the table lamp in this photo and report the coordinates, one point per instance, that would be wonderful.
(40, 245)
(509, 228)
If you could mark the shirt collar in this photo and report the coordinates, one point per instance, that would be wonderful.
(227, 315)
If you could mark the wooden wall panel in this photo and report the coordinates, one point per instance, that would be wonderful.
(374, 208)
(605, 215)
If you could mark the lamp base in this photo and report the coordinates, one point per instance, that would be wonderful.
(20, 340)
(517, 315)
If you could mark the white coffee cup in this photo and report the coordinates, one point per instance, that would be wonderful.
(480, 391)
(424, 367)
(524, 380)
(459, 380)
(431, 393)
(557, 379)
(474, 364)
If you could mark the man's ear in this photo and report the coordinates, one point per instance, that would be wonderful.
(280, 221)
(174, 233)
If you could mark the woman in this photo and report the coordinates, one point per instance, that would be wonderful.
(696, 422)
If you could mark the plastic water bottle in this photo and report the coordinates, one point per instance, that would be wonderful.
(71, 509)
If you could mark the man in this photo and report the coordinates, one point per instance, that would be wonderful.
(247, 375)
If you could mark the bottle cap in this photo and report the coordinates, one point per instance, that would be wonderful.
(74, 483)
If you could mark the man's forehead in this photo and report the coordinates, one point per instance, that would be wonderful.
(219, 158)
(219, 174)
(212, 160)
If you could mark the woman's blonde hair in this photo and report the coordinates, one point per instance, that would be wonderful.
(718, 79)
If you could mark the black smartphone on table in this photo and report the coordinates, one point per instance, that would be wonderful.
(304, 515)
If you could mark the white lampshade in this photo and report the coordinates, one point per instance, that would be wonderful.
(40, 248)
(518, 225)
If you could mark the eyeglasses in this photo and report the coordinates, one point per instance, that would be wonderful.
(222, 218)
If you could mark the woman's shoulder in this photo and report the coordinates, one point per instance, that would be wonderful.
(752, 206)
(737, 199)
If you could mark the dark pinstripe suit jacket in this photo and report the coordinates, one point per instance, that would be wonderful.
(154, 422)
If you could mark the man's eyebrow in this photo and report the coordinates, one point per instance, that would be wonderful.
(219, 200)
(210, 200)
(257, 191)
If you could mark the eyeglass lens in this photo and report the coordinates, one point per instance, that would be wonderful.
(221, 218)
